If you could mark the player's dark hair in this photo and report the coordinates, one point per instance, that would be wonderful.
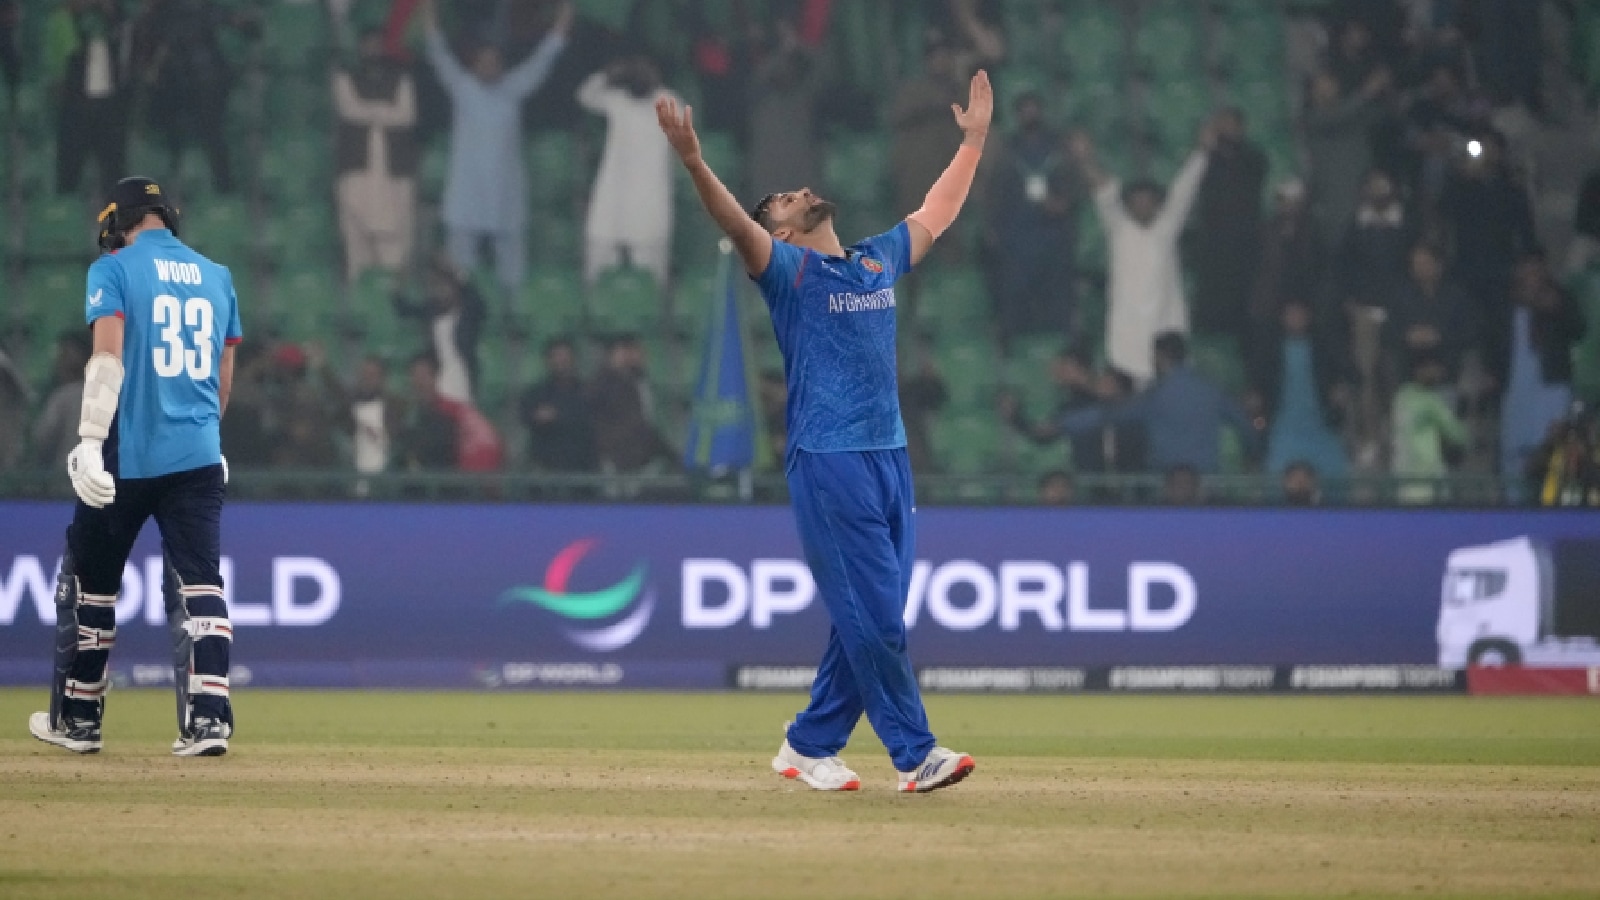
(558, 341)
(760, 211)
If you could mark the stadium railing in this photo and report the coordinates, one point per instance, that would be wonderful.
(522, 487)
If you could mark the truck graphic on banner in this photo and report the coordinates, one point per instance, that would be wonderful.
(1521, 602)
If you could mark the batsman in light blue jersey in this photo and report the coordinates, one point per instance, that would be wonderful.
(164, 320)
(833, 311)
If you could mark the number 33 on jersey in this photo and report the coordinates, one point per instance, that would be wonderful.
(180, 310)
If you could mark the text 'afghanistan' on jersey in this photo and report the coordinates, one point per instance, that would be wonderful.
(835, 323)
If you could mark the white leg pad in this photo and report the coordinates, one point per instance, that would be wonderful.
(98, 600)
(215, 685)
(87, 690)
(208, 626)
(96, 638)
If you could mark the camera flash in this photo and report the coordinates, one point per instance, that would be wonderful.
(1474, 149)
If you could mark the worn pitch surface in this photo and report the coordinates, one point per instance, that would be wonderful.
(402, 795)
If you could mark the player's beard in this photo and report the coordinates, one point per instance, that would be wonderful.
(823, 211)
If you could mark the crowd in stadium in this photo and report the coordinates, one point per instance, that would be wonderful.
(1314, 240)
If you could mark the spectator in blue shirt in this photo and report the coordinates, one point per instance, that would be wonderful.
(1183, 413)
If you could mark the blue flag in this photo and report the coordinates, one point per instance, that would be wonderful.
(723, 425)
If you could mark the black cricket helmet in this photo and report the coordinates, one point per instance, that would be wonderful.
(131, 200)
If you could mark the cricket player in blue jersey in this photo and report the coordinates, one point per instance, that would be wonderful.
(833, 310)
(165, 321)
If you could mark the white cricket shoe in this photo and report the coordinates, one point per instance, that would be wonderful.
(206, 737)
(942, 768)
(823, 773)
(80, 735)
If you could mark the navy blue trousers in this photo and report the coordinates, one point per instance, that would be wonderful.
(854, 512)
(187, 507)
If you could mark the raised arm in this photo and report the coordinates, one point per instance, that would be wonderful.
(944, 200)
(451, 74)
(399, 112)
(752, 241)
(526, 77)
(1102, 186)
(1186, 187)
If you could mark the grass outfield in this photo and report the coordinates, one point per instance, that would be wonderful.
(409, 795)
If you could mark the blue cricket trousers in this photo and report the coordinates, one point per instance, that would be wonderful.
(854, 515)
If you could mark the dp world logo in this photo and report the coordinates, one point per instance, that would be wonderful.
(592, 621)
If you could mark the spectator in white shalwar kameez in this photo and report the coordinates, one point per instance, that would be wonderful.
(376, 151)
(485, 189)
(630, 210)
(1144, 292)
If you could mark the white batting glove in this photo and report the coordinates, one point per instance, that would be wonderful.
(90, 480)
(224, 470)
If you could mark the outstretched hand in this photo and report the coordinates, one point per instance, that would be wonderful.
(974, 120)
(679, 129)
(564, 17)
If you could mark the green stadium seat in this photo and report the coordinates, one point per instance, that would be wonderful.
(60, 228)
(694, 297)
(295, 35)
(696, 236)
(220, 228)
(1034, 460)
(952, 300)
(1169, 39)
(432, 168)
(303, 301)
(555, 240)
(1027, 38)
(34, 109)
(1249, 38)
(53, 299)
(668, 368)
(371, 308)
(302, 234)
(1092, 42)
(1264, 101)
(721, 152)
(145, 154)
(854, 169)
(1219, 358)
(552, 169)
(1094, 104)
(966, 444)
(625, 299)
(971, 369)
(552, 299)
(1176, 109)
(494, 378)
(295, 168)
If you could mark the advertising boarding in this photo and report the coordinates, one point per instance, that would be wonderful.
(705, 597)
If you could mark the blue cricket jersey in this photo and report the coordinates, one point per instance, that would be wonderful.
(835, 323)
(180, 309)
